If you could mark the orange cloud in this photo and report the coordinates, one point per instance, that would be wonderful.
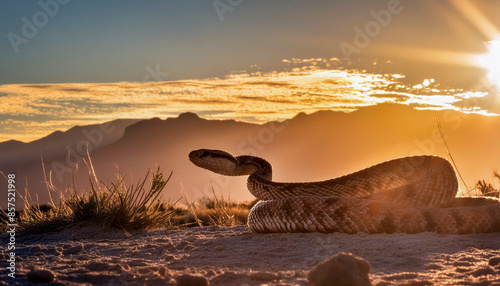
(32, 111)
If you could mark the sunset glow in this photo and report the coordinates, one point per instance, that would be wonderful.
(250, 142)
(491, 61)
(39, 109)
(240, 66)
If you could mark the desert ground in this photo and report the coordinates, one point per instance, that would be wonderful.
(87, 255)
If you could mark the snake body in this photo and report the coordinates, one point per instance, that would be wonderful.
(409, 195)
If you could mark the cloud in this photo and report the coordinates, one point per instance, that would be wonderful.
(304, 85)
(38, 86)
(268, 83)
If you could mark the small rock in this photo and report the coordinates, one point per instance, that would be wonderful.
(162, 271)
(462, 263)
(73, 250)
(467, 258)
(299, 273)
(341, 269)
(494, 261)
(266, 276)
(210, 272)
(191, 280)
(483, 272)
(169, 258)
(41, 275)
(461, 270)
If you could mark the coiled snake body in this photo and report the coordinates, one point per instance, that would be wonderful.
(410, 195)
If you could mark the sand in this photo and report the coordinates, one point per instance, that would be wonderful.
(236, 256)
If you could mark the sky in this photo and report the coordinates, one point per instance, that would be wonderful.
(202, 50)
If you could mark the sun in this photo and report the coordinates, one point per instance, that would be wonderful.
(491, 61)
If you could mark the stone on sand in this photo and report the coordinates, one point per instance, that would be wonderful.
(162, 271)
(484, 271)
(41, 275)
(191, 280)
(73, 250)
(494, 261)
(263, 276)
(341, 269)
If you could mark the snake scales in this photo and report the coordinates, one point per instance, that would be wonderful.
(410, 195)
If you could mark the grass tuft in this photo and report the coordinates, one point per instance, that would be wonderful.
(216, 210)
(487, 189)
(116, 205)
(109, 205)
(222, 211)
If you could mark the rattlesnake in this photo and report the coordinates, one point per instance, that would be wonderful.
(410, 195)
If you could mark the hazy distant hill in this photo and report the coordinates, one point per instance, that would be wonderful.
(318, 146)
(15, 151)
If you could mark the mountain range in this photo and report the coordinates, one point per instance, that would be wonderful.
(307, 147)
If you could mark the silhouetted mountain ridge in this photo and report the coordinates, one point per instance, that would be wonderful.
(317, 146)
(52, 144)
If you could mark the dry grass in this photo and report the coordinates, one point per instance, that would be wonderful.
(221, 211)
(487, 189)
(110, 205)
(216, 210)
(131, 208)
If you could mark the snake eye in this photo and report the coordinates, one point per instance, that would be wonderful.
(205, 154)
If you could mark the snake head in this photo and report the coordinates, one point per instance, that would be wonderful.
(217, 161)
